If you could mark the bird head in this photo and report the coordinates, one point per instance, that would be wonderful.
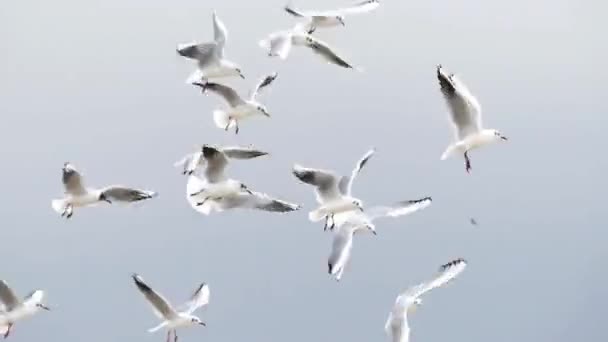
(261, 109)
(196, 320)
(495, 135)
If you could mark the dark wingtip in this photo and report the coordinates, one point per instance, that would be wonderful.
(452, 263)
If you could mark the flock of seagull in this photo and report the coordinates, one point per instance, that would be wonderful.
(209, 188)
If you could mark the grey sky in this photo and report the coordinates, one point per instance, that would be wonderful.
(98, 83)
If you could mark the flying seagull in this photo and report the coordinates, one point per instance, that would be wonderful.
(172, 318)
(239, 108)
(278, 44)
(350, 222)
(211, 190)
(316, 19)
(77, 195)
(465, 114)
(333, 192)
(209, 56)
(396, 325)
(195, 161)
(14, 309)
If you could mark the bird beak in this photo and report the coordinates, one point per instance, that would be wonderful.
(374, 232)
(266, 113)
(202, 323)
(241, 75)
(504, 138)
(44, 307)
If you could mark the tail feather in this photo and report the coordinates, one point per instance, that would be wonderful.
(449, 151)
(59, 205)
(158, 327)
(222, 119)
(317, 215)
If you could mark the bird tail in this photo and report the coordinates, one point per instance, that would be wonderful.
(158, 327)
(317, 214)
(222, 119)
(450, 151)
(59, 205)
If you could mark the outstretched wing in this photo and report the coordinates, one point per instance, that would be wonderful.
(256, 200)
(160, 305)
(464, 108)
(229, 94)
(325, 182)
(264, 82)
(72, 180)
(356, 8)
(324, 50)
(238, 152)
(204, 54)
(220, 34)
(199, 299)
(346, 183)
(8, 297)
(398, 209)
(124, 194)
(447, 273)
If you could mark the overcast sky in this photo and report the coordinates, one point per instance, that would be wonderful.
(98, 83)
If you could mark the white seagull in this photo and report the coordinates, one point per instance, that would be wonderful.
(396, 324)
(214, 191)
(466, 117)
(351, 222)
(331, 18)
(209, 56)
(240, 108)
(77, 195)
(173, 319)
(333, 192)
(14, 309)
(278, 44)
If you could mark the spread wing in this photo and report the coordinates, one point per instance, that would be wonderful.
(356, 8)
(190, 163)
(220, 34)
(160, 305)
(397, 326)
(346, 183)
(398, 209)
(341, 248)
(204, 54)
(325, 182)
(447, 273)
(264, 82)
(199, 299)
(324, 50)
(256, 200)
(228, 94)
(238, 152)
(72, 180)
(8, 297)
(465, 111)
(124, 194)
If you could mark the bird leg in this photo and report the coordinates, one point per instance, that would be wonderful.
(228, 124)
(236, 130)
(168, 335)
(174, 335)
(326, 223)
(467, 162)
(333, 222)
(8, 330)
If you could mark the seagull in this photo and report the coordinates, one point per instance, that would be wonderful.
(342, 246)
(211, 190)
(193, 161)
(351, 222)
(333, 192)
(466, 117)
(173, 319)
(210, 56)
(15, 309)
(76, 195)
(239, 108)
(278, 44)
(396, 324)
(331, 18)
